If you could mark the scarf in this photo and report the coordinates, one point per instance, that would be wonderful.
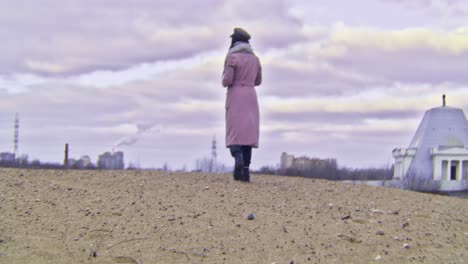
(239, 46)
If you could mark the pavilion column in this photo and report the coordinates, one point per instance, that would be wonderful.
(437, 173)
(465, 170)
(460, 170)
(449, 168)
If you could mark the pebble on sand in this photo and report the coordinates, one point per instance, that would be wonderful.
(251, 216)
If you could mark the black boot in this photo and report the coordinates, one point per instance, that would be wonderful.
(246, 174)
(236, 152)
(238, 166)
(247, 155)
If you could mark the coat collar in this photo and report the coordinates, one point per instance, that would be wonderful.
(241, 47)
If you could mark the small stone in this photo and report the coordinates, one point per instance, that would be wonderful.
(207, 188)
(251, 216)
(406, 245)
(359, 220)
(378, 258)
(346, 217)
(330, 205)
(380, 233)
(349, 238)
(76, 239)
(122, 259)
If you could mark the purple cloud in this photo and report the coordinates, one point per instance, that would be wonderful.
(61, 38)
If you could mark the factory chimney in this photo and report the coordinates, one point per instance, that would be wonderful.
(65, 161)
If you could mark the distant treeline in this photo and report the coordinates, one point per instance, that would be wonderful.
(206, 165)
(36, 164)
(30, 165)
(333, 173)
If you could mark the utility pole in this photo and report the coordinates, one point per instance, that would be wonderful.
(213, 154)
(15, 136)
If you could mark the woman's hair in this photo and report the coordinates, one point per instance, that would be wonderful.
(239, 35)
(234, 40)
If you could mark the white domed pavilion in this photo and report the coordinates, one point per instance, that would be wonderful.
(439, 149)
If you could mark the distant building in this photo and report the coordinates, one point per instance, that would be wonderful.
(305, 163)
(113, 161)
(72, 163)
(439, 149)
(7, 156)
(83, 163)
(286, 161)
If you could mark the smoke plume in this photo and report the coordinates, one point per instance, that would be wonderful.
(130, 140)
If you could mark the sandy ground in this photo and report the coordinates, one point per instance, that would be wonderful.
(161, 217)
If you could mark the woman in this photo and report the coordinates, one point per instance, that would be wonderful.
(242, 72)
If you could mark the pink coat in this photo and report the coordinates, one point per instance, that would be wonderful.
(242, 73)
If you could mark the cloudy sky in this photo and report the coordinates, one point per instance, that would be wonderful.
(342, 79)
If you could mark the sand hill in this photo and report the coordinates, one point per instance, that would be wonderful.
(161, 217)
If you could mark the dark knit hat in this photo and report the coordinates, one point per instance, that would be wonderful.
(240, 34)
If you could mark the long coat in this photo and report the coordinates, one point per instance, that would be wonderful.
(242, 72)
